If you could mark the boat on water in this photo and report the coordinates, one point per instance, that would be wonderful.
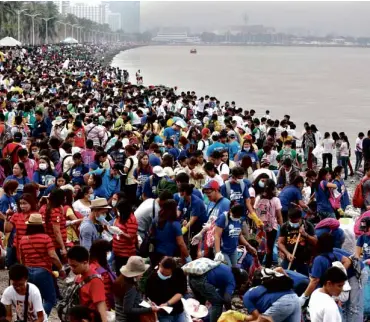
(193, 51)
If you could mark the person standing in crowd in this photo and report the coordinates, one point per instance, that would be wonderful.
(366, 148)
(359, 150)
(10, 151)
(124, 244)
(91, 293)
(322, 186)
(327, 155)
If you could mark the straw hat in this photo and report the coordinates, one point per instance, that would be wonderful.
(135, 266)
(101, 203)
(35, 219)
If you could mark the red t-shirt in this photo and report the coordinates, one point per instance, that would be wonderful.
(19, 222)
(80, 138)
(12, 149)
(92, 292)
(122, 246)
(34, 249)
(108, 283)
(56, 217)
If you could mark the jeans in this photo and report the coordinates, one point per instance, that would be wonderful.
(203, 291)
(327, 157)
(344, 161)
(231, 259)
(353, 309)
(325, 214)
(358, 160)
(45, 283)
(285, 309)
(270, 242)
(172, 318)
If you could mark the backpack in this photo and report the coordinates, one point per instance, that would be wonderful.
(204, 144)
(71, 298)
(286, 155)
(166, 184)
(228, 187)
(15, 150)
(200, 266)
(112, 276)
(60, 164)
(334, 200)
(358, 199)
(264, 212)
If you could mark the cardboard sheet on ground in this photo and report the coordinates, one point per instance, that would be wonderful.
(165, 308)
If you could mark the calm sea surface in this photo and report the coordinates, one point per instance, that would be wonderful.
(329, 87)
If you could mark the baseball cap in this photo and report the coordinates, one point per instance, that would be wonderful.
(205, 131)
(213, 184)
(158, 171)
(18, 136)
(214, 134)
(179, 123)
(232, 134)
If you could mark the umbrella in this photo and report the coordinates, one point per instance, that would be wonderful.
(9, 42)
(70, 40)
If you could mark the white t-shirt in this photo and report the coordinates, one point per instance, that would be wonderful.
(328, 145)
(203, 146)
(217, 178)
(323, 308)
(144, 214)
(130, 175)
(11, 297)
(223, 168)
(81, 208)
(359, 144)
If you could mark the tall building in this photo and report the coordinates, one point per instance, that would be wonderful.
(130, 14)
(63, 6)
(114, 20)
(95, 13)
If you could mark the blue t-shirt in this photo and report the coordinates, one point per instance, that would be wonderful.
(150, 190)
(7, 202)
(170, 133)
(154, 160)
(21, 182)
(217, 146)
(41, 177)
(234, 148)
(157, 139)
(196, 192)
(338, 235)
(252, 155)
(322, 198)
(111, 184)
(174, 152)
(94, 165)
(77, 174)
(236, 192)
(196, 208)
(230, 234)
(101, 192)
(321, 263)
(344, 200)
(141, 176)
(288, 195)
(216, 210)
(165, 238)
(222, 278)
(364, 242)
(259, 298)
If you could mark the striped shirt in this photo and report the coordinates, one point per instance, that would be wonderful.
(122, 246)
(55, 218)
(34, 250)
(18, 220)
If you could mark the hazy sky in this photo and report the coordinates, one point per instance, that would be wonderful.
(346, 18)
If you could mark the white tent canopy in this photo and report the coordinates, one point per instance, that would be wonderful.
(9, 42)
(70, 40)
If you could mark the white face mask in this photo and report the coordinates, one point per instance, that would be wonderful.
(43, 166)
(342, 176)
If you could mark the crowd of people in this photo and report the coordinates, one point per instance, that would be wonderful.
(130, 203)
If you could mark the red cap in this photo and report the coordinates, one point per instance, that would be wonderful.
(205, 131)
(213, 184)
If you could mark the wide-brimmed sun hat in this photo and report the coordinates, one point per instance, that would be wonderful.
(135, 266)
(99, 203)
(35, 219)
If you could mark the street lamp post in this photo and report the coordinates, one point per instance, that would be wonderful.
(33, 25)
(46, 21)
(18, 12)
(74, 26)
(65, 28)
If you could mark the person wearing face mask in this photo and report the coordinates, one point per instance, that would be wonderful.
(248, 149)
(88, 232)
(124, 244)
(44, 176)
(111, 178)
(288, 237)
(173, 285)
(338, 175)
(228, 235)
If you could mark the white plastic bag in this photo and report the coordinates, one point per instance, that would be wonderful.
(318, 151)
